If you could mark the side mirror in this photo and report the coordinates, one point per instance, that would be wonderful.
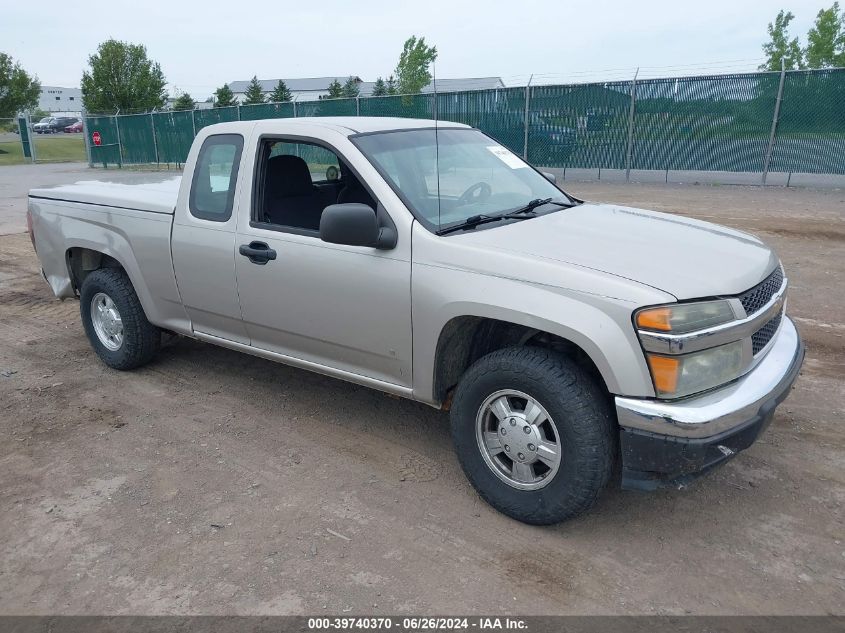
(550, 177)
(354, 224)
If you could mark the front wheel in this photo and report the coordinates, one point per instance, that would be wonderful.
(534, 434)
(115, 322)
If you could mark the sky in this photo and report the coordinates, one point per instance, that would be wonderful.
(201, 45)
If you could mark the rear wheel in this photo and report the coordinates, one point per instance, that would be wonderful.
(534, 434)
(115, 322)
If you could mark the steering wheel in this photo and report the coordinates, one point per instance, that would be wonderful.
(479, 192)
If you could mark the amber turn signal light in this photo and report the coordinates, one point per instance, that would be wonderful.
(664, 371)
(656, 319)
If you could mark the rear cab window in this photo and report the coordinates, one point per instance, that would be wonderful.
(215, 177)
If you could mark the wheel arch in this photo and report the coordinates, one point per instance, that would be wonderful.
(465, 339)
(82, 261)
(597, 337)
(82, 258)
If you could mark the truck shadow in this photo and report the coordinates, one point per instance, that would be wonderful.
(409, 442)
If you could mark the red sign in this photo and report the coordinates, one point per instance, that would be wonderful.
(98, 140)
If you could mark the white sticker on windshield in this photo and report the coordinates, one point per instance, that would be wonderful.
(506, 156)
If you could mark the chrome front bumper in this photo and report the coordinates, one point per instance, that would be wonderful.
(726, 408)
(672, 442)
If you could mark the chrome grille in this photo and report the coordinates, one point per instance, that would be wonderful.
(754, 299)
(761, 337)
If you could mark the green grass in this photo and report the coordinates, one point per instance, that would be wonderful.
(51, 148)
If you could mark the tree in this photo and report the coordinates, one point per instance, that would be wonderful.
(184, 102)
(826, 39)
(335, 90)
(280, 93)
(391, 85)
(350, 88)
(780, 47)
(224, 97)
(18, 89)
(412, 73)
(121, 77)
(379, 88)
(253, 95)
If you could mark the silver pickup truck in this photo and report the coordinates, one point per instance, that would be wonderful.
(426, 260)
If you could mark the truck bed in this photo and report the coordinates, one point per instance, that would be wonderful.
(156, 193)
(129, 222)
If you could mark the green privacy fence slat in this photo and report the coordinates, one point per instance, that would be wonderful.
(311, 154)
(579, 126)
(137, 140)
(811, 130)
(26, 142)
(215, 115)
(267, 111)
(108, 152)
(702, 123)
(174, 133)
(327, 107)
(407, 106)
(498, 113)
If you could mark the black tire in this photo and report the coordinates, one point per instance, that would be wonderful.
(581, 412)
(141, 339)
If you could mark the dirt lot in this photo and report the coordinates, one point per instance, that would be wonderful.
(214, 482)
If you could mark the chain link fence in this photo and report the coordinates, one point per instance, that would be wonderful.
(792, 121)
(21, 141)
(17, 141)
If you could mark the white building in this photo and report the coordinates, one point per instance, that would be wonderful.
(57, 99)
(312, 88)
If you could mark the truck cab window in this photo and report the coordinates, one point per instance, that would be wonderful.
(215, 176)
(299, 180)
(323, 165)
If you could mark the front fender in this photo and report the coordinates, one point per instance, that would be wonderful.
(599, 325)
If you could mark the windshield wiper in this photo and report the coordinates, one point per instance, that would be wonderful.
(477, 220)
(522, 213)
(539, 202)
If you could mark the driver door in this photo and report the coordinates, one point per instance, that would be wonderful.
(347, 308)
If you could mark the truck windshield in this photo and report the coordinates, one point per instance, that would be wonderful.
(455, 174)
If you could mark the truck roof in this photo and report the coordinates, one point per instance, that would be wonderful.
(350, 124)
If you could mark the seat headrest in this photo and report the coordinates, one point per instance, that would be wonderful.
(288, 176)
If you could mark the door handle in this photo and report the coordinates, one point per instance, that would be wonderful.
(257, 252)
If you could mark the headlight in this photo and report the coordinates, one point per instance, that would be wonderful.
(678, 376)
(680, 318)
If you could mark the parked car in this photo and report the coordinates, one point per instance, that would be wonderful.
(61, 122)
(50, 125)
(74, 127)
(564, 337)
(44, 126)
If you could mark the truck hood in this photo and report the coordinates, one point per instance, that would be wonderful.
(684, 257)
(145, 192)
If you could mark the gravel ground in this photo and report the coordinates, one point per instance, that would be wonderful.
(213, 482)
